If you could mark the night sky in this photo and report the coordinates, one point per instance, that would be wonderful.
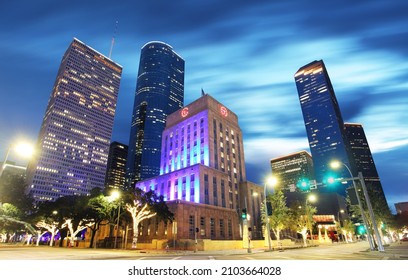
(243, 53)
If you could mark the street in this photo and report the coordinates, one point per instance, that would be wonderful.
(340, 251)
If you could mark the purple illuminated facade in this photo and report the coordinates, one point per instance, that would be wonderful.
(202, 169)
(202, 138)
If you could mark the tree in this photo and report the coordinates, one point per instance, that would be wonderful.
(144, 205)
(348, 229)
(69, 212)
(302, 219)
(11, 221)
(101, 211)
(74, 228)
(280, 213)
(13, 191)
(50, 225)
(139, 212)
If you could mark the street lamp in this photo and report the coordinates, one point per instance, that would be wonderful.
(22, 149)
(270, 181)
(312, 198)
(336, 165)
(114, 196)
(340, 223)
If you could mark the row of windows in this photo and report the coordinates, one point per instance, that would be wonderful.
(217, 228)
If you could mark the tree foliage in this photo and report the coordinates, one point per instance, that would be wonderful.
(280, 217)
(302, 219)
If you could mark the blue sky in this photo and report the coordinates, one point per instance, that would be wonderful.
(243, 53)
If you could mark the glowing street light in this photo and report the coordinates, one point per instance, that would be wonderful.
(311, 198)
(22, 149)
(336, 165)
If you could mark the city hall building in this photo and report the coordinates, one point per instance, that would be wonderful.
(202, 177)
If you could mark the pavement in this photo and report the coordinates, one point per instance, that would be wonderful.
(393, 251)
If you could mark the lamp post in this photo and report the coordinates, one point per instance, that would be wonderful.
(271, 181)
(371, 212)
(338, 218)
(311, 198)
(336, 164)
(116, 195)
(22, 149)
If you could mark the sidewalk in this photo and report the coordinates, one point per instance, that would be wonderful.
(393, 251)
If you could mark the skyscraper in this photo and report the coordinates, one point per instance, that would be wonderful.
(115, 171)
(323, 122)
(362, 161)
(73, 143)
(291, 171)
(159, 92)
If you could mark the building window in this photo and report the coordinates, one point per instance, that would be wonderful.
(176, 189)
(215, 191)
(191, 222)
(212, 228)
(202, 226)
(222, 232)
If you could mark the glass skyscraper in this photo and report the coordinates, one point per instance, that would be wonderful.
(159, 92)
(115, 171)
(362, 161)
(292, 170)
(324, 124)
(73, 143)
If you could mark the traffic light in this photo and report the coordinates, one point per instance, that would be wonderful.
(330, 180)
(361, 229)
(269, 208)
(304, 184)
(244, 213)
(197, 229)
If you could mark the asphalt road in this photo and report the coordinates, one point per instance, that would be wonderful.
(350, 251)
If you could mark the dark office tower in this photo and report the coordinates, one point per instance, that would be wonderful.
(115, 171)
(323, 122)
(362, 161)
(73, 143)
(159, 92)
(294, 172)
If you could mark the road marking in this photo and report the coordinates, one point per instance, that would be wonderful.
(176, 258)
(211, 258)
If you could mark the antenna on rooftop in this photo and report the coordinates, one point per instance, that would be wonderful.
(113, 39)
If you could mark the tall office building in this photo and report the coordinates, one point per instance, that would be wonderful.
(115, 171)
(159, 92)
(324, 124)
(362, 161)
(294, 172)
(73, 143)
(203, 177)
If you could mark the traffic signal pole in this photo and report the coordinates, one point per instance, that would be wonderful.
(371, 213)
